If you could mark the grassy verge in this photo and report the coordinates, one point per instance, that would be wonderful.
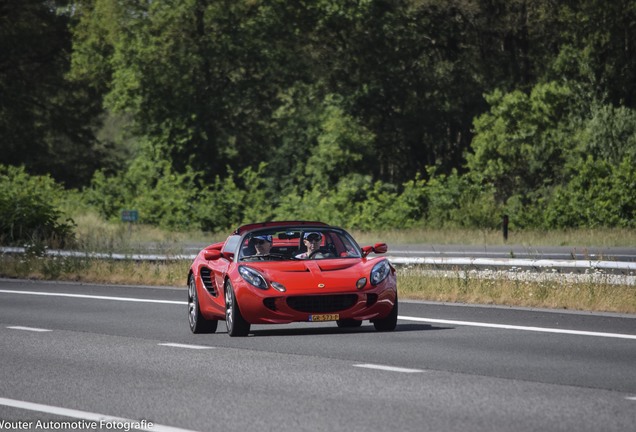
(606, 237)
(124, 272)
(94, 234)
(455, 286)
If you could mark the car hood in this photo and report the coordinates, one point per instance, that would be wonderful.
(315, 275)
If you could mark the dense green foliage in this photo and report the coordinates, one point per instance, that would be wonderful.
(47, 122)
(364, 113)
(29, 210)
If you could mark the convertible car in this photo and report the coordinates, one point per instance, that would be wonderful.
(283, 272)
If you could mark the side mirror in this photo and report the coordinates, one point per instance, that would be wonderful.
(212, 254)
(228, 256)
(366, 250)
(380, 248)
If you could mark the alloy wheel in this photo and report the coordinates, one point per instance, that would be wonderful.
(192, 303)
(229, 308)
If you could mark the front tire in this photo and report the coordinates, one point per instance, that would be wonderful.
(390, 322)
(234, 321)
(198, 323)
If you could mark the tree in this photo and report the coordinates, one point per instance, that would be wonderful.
(521, 144)
(597, 43)
(200, 78)
(406, 70)
(343, 147)
(45, 121)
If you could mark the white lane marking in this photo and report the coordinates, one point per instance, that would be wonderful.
(523, 328)
(127, 299)
(631, 398)
(177, 345)
(33, 329)
(102, 420)
(387, 368)
(407, 318)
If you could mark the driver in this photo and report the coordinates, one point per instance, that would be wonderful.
(312, 243)
(263, 244)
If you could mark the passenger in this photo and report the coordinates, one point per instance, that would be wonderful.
(312, 243)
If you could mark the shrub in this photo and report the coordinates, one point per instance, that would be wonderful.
(357, 202)
(29, 210)
(235, 200)
(600, 195)
(162, 196)
(460, 201)
(385, 208)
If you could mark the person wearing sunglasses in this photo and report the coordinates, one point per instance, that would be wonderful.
(262, 244)
(312, 242)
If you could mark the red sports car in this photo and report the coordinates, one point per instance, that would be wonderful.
(283, 272)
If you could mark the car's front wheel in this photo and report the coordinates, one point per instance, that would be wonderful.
(390, 322)
(198, 323)
(234, 321)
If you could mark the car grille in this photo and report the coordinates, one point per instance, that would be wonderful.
(208, 283)
(323, 303)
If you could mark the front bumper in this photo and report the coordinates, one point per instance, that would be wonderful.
(273, 307)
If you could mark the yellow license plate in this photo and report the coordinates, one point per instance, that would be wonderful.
(325, 317)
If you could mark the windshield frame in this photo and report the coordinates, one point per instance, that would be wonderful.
(287, 244)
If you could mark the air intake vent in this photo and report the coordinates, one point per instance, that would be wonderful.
(371, 299)
(322, 304)
(208, 282)
(270, 303)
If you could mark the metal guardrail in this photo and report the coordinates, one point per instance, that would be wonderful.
(518, 263)
(101, 255)
(542, 264)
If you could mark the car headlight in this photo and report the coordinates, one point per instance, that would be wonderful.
(253, 277)
(379, 272)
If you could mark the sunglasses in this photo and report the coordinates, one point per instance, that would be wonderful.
(260, 242)
(314, 238)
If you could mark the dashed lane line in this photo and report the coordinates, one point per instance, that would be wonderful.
(178, 345)
(387, 368)
(32, 329)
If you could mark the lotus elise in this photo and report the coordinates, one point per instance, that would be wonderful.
(284, 272)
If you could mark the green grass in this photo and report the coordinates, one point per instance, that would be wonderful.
(123, 272)
(586, 292)
(94, 234)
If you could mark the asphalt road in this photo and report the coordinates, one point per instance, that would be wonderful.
(80, 353)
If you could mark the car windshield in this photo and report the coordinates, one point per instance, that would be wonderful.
(285, 243)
